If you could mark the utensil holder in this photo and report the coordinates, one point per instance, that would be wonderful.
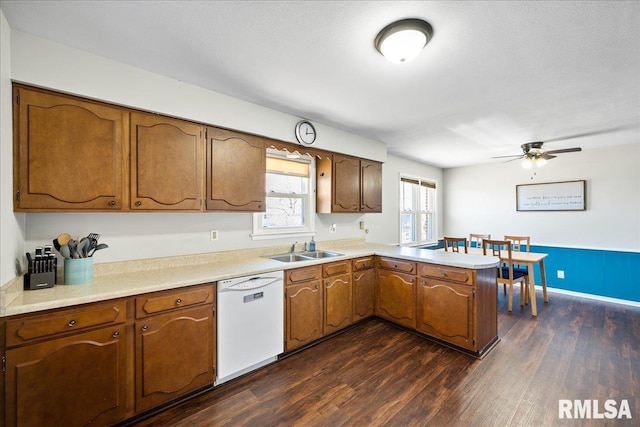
(78, 271)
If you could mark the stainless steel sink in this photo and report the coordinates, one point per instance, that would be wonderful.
(304, 256)
(320, 254)
(290, 258)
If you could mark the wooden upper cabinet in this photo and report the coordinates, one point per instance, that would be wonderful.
(236, 171)
(167, 163)
(348, 184)
(370, 186)
(346, 188)
(68, 152)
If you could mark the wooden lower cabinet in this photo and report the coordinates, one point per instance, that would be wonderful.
(70, 381)
(364, 288)
(396, 297)
(458, 306)
(446, 311)
(303, 317)
(337, 303)
(174, 355)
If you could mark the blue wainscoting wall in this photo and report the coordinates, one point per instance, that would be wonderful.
(592, 271)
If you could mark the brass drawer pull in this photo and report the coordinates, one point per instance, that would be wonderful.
(138, 203)
(116, 334)
(72, 323)
(145, 327)
(178, 301)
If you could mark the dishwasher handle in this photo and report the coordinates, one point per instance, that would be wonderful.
(249, 284)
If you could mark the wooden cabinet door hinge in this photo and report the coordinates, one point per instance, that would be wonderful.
(18, 196)
(18, 99)
(4, 364)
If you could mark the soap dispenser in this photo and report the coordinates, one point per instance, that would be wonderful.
(312, 245)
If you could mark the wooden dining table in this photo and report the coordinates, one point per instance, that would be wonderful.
(524, 258)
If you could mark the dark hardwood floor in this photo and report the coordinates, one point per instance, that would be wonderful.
(377, 375)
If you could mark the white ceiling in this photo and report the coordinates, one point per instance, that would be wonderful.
(495, 75)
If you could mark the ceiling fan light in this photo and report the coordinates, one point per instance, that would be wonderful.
(403, 40)
(527, 163)
(539, 161)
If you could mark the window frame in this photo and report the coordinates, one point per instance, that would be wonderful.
(416, 211)
(261, 233)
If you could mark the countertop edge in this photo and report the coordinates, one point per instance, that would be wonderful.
(123, 285)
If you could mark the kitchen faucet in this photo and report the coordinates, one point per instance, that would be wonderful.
(293, 247)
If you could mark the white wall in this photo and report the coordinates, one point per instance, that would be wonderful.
(481, 199)
(11, 225)
(147, 235)
(51, 65)
(384, 228)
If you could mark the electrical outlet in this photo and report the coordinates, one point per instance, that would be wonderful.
(560, 274)
(214, 235)
(361, 225)
(332, 228)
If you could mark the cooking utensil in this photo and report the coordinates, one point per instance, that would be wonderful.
(63, 239)
(97, 248)
(65, 251)
(83, 247)
(73, 247)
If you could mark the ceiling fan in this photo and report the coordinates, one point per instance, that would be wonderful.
(534, 153)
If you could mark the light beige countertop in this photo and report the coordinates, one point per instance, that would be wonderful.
(124, 279)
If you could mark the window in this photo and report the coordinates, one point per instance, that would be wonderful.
(290, 199)
(417, 211)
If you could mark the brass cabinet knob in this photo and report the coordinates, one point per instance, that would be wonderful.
(112, 203)
(138, 203)
(116, 334)
(178, 301)
(145, 327)
(72, 323)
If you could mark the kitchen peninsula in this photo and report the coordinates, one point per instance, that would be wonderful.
(131, 307)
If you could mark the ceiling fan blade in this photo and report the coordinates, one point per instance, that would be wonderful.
(547, 156)
(592, 133)
(504, 157)
(564, 150)
(511, 160)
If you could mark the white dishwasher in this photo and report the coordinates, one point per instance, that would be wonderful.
(250, 323)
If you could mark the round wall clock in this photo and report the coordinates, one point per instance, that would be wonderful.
(305, 133)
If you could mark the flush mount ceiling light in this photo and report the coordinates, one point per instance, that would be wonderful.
(403, 40)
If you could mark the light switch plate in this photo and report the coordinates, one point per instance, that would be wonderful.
(214, 235)
(332, 228)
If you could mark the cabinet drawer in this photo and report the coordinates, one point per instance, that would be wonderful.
(454, 274)
(159, 302)
(362, 263)
(300, 275)
(30, 328)
(396, 264)
(334, 268)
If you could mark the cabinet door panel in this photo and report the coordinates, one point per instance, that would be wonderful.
(236, 171)
(371, 186)
(337, 303)
(174, 355)
(364, 294)
(303, 314)
(167, 163)
(69, 381)
(446, 311)
(68, 152)
(346, 185)
(396, 297)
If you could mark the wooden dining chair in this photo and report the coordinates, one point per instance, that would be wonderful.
(477, 239)
(454, 244)
(520, 244)
(506, 274)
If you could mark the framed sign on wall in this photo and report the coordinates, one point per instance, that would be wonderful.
(552, 196)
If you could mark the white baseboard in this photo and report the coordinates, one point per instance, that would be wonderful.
(590, 296)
